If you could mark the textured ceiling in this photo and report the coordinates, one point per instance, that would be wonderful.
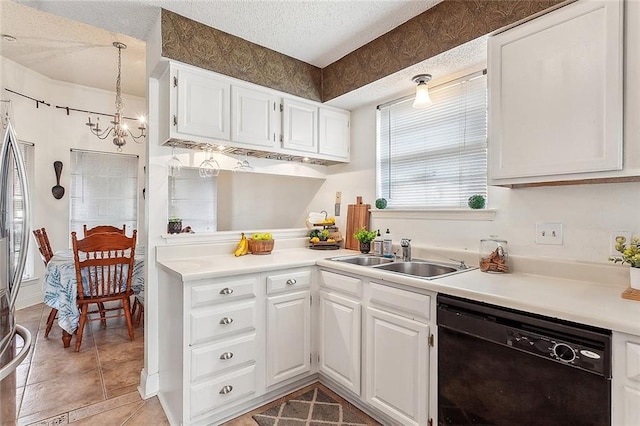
(74, 44)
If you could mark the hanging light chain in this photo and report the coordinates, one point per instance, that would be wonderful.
(120, 46)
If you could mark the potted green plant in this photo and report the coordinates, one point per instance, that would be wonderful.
(364, 237)
(174, 226)
(631, 255)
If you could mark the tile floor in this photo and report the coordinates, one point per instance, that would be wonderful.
(97, 385)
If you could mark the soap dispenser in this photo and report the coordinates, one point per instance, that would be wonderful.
(377, 244)
(387, 244)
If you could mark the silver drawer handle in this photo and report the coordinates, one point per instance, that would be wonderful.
(226, 320)
(226, 355)
(226, 389)
(291, 281)
(226, 290)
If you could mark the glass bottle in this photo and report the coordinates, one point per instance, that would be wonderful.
(494, 255)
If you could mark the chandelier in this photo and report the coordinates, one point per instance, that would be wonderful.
(118, 128)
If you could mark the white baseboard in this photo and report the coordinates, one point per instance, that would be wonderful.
(29, 295)
(149, 384)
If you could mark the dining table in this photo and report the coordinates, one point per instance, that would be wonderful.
(61, 289)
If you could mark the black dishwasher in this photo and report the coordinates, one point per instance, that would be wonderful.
(498, 366)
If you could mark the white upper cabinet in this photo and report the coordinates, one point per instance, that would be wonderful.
(334, 133)
(202, 107)
(198, 107)
(300, 126)
(255, 117)
(556, 96)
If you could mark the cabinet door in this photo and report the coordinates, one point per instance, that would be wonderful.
(203, 105)
(334, 133)
(555, 94)
(288, 336)
(397, 361)
(300, 126)
(340, 323)
(255, 117)
(625, 401)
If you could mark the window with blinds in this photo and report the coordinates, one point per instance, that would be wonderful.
(434, 157)
(103, 190)
(192, 198)
(26, 150)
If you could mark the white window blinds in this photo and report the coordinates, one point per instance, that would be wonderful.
(192, 198)
(103, 190)
(26, 150)
(434, 157)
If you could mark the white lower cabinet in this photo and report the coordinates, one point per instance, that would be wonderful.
(626, 380)
(339, 339)
(397, 335)
(288, 325)
(397, 354)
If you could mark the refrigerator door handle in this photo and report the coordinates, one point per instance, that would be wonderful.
(15, 362)
(26, 218)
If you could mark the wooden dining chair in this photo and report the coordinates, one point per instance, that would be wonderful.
(104, 267)
(103, 228)
(137, 310)
(44, 246)
(42, 240)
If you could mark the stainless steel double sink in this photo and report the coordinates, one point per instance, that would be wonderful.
(416, 267)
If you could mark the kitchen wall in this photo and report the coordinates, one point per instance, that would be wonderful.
(54, 134)
(589, 213)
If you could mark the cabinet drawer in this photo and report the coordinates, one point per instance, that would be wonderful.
(222, 391)
(223, 291)
(413, 305)
(212, 359)
(292, 280)
(341, 283)
(213, 323)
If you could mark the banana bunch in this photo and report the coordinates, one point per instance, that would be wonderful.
(243, 247)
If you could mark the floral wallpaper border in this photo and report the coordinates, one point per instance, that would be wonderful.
(441, 28)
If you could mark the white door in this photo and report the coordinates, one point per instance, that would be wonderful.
(203, 106)
(340, 323)
(334, 133)
(397, 375)
(300, 126)
(255, 117)
(288, 336)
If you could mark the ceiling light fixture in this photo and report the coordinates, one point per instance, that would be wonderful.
(422, 99)
(119, 129)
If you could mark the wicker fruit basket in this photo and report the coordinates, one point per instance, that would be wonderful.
(261, 246)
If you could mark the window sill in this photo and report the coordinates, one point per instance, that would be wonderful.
(435, 214)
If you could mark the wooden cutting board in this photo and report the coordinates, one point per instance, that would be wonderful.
(357, 217)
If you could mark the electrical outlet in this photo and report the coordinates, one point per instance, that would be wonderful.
(612, 241)
(549, 233)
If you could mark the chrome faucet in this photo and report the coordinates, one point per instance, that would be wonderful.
(405, 243)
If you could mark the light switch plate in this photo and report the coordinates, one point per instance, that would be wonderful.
(549, 233)
(338, 197)
(612, 241)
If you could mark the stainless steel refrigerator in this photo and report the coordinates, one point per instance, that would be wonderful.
(14, 243)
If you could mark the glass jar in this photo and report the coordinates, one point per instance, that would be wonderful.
(494, 255)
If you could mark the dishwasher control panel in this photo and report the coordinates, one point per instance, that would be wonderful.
(576, 354)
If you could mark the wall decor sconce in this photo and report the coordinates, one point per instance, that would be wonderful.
(422, 99)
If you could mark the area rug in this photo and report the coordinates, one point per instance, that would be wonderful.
(312, 408)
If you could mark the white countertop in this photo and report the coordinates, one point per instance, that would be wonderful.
(594, 303)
